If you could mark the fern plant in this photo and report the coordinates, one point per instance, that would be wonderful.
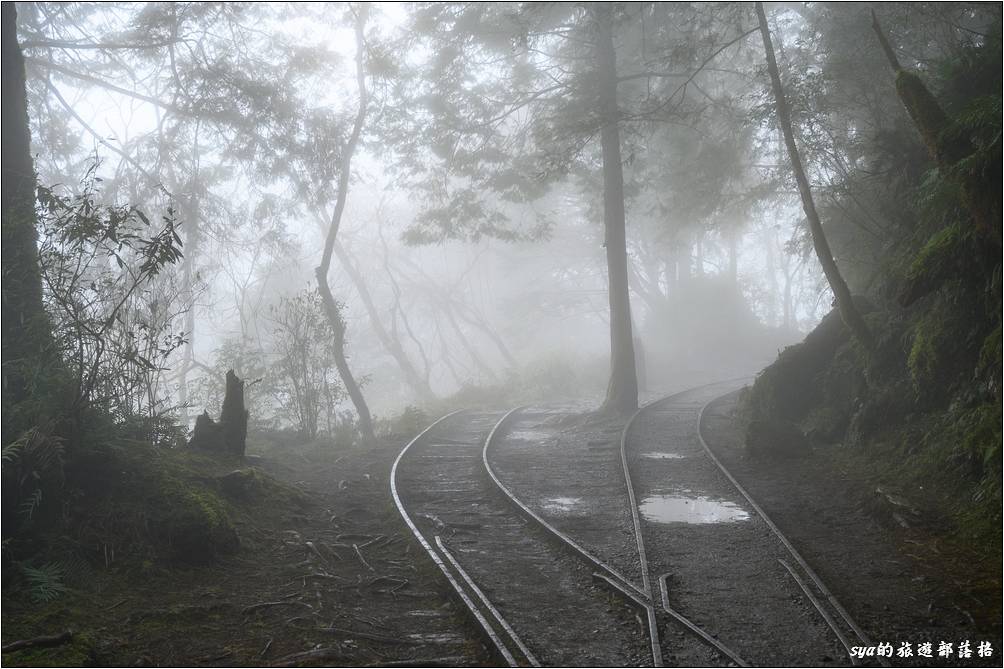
(35, 461)
(45, 582)
(28, 505)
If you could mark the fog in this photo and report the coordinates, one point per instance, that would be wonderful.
(514, 296)
(470, 333)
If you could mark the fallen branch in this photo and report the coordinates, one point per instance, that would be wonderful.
(417, 594)
(359, 554)
(382, 638)
(39, 642)
(297, 619)
(371, 542)
(381, 580)
(328, 576)
(449, 661)
(265, 605)
(315, 654)
(318, 553)
(366, 620)
(354, 537)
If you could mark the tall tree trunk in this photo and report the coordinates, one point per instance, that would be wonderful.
(444, 350)
(418, 384)
(622, 392)
(733, 259)
(331, 308)
(472, 351)
(398, 315)
(27, 348)
(472, 317)
(671, 271)
(931, 121)
(848, 311)
(684, 264)
(772, 284)
(789, 307)
(193, 225)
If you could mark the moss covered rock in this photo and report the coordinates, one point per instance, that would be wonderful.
(793, 384)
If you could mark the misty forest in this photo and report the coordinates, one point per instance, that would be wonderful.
(501, 334)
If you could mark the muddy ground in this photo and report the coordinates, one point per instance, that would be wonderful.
(332, 577)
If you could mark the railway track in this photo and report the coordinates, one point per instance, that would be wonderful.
(537, 604)
(695, 522)
(557, 547)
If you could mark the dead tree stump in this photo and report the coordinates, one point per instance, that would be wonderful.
(229, 435)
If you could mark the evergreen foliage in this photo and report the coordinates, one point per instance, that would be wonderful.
(928, 400)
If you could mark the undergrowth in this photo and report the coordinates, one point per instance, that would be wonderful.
(922, 410)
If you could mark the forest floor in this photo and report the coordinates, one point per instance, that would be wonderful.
(330, 576)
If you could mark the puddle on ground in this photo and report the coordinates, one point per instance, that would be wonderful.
(561, 504)
(696, 510)
(663, 456)
(529, 434)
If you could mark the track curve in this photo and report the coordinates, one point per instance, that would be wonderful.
(539, 584)
(548, 607)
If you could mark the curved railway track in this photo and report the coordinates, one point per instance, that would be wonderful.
(535, 603)
(701, 522)
(616, 586)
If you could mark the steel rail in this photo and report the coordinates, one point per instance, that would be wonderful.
(530, 658)
(485, 625)
(819, 607)
(589, 557)
(635, 515)
(621, 588)
(780, 535)
(615, 575)
(646, 582)
(683, 620)
(640, 541)
(830, 597)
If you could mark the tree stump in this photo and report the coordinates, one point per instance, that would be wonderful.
(229, 435)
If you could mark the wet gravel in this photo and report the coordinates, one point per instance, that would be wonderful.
(722, 560)
(549, 597)
(722, 563)
(896, 582)
(567, 468)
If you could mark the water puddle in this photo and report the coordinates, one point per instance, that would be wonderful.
(696, 510)
(561, 505)
(663, 456)
(529, 434)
